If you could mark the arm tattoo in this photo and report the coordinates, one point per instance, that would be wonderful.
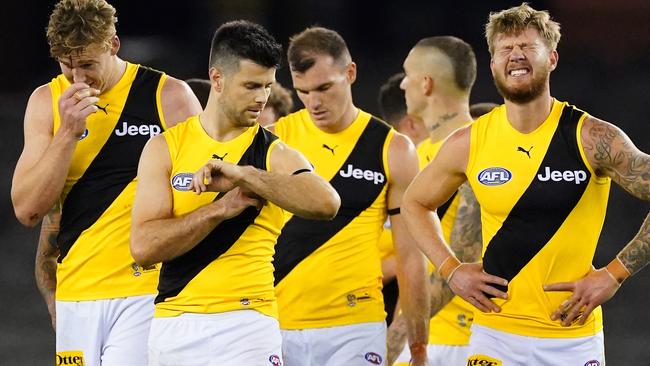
(465, 242)
(46, 257)
(636, 254)
(396, 338)
(615, 155)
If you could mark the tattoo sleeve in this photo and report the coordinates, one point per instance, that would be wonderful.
(46, 259)
(396, 338)
(612, 153)
(636, 254)
(466, 242)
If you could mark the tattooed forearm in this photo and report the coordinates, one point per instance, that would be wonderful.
(441, 294)
(466, 238)
(46, 257)
(396, 338)
(636, 254)
(612, 153)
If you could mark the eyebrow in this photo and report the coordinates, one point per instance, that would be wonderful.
(68, 62)
(316, 88)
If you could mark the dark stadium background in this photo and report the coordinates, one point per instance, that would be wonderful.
(603, 68)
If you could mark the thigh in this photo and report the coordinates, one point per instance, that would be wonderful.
(361, 344)
(174, 341)
(130, 321)
(584, 351)
(79, 332)
(295, 349)
(247, 337)
(446, 355)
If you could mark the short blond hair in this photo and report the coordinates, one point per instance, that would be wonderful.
(280, 100)
(77, 24)
(517, 19)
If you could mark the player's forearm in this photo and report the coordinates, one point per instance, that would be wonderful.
(636, 254)
(414, 295)
(162, 240)
(396, 338)
(35, 189)
(440, 293)
(46, 259)
(306, 195)
(424, 226)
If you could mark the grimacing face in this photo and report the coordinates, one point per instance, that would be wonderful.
(325, 90)
(521, 65)
(93, 65)
(245, 93)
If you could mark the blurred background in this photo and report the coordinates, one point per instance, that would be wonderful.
(603, 68)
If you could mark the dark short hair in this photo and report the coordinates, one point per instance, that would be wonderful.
(461, 56)
(243, 40)
(314, 41)
(479, 109)
(392, 103)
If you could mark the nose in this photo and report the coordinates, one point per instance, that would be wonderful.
(314, 101)
(402, 84)
(517, 54)
(78, 76)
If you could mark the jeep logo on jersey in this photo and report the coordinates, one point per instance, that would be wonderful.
(494, 176)
(576, 176)
(593, 363)
(373, 358)
(134, 130)
(182, 182)
(369, 175)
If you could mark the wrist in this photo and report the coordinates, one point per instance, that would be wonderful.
(617, 270)
(418, 348)
(448, 267)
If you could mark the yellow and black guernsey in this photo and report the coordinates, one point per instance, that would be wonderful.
(231, 268)
(452, 323)
(542, 210)
(95, 261)
(328, 273)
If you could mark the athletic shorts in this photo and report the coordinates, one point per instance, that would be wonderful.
(438, 355)
(110, 332)
(237, 338)
(361, 344)
(488, 346)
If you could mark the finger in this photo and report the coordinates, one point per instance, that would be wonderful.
(72, 89)
(477, 304)
(560, 286)
(87, 101)
(557, 314)
(585, 315)
(573, 313)
(488, 278)
(494, 291)
(88, 110)
(488, 303)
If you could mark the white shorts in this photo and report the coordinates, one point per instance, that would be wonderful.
(438, 355)
(361, 344)
(237, 338)
(506, 349)
(103, 332)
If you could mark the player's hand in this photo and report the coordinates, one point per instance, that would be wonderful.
(236, 201)
(589, 292)
(75, 105)
(216, 176)
(470, 282)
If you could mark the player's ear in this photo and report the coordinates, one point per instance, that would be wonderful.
(216, 79)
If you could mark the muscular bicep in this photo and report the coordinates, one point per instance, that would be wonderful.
(403, 167)
(285, 159)
(178, 102)
(611, 153)
(438, 181)
(38, 125)
(153, 198)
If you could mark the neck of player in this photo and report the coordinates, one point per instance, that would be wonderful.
(444, 118)
(527, 117)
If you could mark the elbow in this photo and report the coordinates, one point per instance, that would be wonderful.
(140, 254)
(329, 206)
(26, 217)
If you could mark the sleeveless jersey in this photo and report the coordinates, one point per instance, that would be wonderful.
(328, 273)
(231, 268)
(542, 210)
(95, 261)
(451, 325)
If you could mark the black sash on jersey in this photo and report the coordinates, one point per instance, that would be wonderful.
(177, 273)
(114, 167)
(300, 237)
(542, 208)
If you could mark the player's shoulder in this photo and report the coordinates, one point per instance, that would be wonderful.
(42, 93)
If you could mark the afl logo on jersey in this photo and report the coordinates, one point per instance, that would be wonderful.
(593, 363)
(182, 182)
(494, 176)
(373, 358)
(275, 360)
(83, 135)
